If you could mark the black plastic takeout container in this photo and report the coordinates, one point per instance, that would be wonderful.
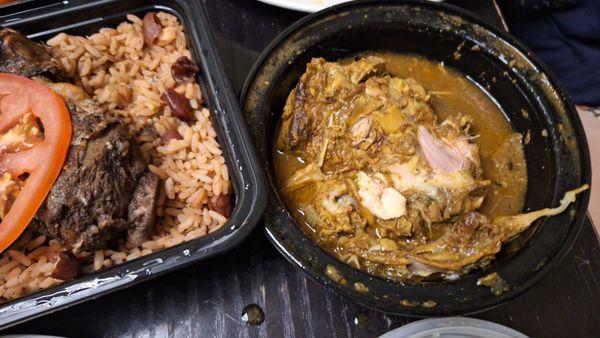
(42, 19)
(557, 155)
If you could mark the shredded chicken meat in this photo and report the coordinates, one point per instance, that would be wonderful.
(382, 182)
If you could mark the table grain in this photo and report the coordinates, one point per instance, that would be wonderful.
(206, 300)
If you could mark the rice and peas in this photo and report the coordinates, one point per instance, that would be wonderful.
(128, 78)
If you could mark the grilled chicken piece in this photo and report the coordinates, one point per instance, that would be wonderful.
(141, 209)
(19, 55)
(105, 190)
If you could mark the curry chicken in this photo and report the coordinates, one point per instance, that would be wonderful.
(395, 178)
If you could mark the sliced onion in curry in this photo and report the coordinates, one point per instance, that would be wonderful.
(440, 155)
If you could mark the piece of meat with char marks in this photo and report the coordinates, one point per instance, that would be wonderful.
(19, 55)
(140, 212)
(105, 190)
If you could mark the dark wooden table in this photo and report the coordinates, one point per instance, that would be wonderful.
(207, 299)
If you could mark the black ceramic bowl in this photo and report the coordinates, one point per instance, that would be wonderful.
(514, 77)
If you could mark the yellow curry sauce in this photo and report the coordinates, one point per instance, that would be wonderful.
(349, 132)
(452, 92)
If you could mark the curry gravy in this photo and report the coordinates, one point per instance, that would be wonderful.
(501, 153)
(451, 93)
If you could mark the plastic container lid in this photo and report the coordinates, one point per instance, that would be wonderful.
(453, 327)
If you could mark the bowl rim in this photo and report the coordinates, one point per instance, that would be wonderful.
(577, 127)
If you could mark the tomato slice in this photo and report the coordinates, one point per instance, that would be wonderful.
(43, 162)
